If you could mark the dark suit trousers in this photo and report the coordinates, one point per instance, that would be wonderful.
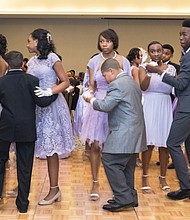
(24, 156)
(4, 156)
(179, 133)
(120, 169)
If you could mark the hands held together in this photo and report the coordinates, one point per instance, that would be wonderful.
(155, 68)
(88, 95)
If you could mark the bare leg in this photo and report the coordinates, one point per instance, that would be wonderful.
(186, 158)
(86, 153)
(138, 161)
(146, 156)
(164, 158)
(95, 164)
(53, 171)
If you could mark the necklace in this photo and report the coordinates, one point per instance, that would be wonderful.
(107, 58)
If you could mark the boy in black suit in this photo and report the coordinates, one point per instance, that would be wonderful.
(17, 123)
(168, 52)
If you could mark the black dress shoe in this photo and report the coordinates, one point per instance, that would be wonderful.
(115, 207)
(22, 210)
(171, 166)
(179, 194)
(111, 201)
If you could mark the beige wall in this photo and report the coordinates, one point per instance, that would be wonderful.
(76, 39)
(97, 7)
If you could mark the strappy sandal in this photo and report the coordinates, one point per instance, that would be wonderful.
(145, 188)
(164, 187)
(94, 196)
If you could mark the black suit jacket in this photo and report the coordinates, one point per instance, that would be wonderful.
(181, 84)
(17, 121)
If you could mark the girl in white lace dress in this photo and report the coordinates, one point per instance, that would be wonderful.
(54, 130)
(158, 114)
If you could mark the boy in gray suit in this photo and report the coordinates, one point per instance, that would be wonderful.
(126, 137)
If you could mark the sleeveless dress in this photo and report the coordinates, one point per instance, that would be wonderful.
(54, 129)
(95, 123)
(80, 108)
(157, 107)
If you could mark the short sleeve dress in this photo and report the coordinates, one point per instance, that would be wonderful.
(157, 107)
(54, 129)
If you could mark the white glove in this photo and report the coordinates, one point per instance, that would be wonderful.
(69, 89)
(79, 87)
(153, 63)
(43, 92)
(86, 94)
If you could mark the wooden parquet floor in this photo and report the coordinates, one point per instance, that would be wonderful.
(75, 184)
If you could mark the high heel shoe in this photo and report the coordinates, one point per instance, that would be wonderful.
(13, 193)
(86, 155)
(56, 198)
(164, 186)
(145, 188)
(94, 196)
(138, 162)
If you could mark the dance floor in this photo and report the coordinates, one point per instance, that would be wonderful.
(75, 183)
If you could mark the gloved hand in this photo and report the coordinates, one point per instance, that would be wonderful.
(43, 92)
(86, 94)
(69, 89)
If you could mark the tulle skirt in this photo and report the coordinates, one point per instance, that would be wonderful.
(95, 123)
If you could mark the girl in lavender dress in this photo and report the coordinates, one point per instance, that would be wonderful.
(80, 108)
(135, 58)
(95, 124)
(158, 113)
(54, 130)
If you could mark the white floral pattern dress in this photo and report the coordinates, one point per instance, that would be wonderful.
(54, 129)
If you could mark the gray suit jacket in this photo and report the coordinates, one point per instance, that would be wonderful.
(181, 84)
(125, 116)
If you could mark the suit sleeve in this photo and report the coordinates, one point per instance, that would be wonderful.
(183, 79)
(111, 100)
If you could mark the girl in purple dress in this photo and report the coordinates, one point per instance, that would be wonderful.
(157, 107)
(54, 130)
(95, 124)
(135, 58)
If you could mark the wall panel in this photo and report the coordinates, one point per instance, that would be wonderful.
(76, 39)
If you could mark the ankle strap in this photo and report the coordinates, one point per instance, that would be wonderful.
(162, 177)
(53, 187)
(145, 175)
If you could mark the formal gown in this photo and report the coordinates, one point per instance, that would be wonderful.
(54, 129)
